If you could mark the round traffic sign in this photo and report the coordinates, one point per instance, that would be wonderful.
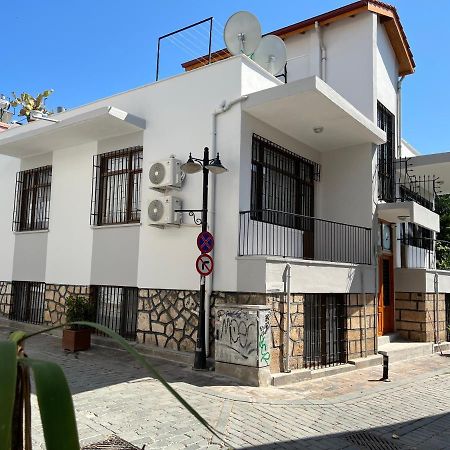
(205, 242)
(204, 264)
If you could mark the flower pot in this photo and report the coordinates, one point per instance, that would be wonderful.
(76, 340)
(5, 116)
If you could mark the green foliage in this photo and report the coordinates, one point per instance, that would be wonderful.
(53, 395)
(443, 247)
(79, 308)
(30, 103)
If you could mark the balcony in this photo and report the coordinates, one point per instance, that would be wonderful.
(405, 196)
(287, 235)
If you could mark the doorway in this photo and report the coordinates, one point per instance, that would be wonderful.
(386, 295)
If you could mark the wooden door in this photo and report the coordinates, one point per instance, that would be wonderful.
(386, 295)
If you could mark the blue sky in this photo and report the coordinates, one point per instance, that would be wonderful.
(89, 49)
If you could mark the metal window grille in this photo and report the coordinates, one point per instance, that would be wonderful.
(386, 156)
(32, 199)
(325, 328)
(116, 187)
(27, 301)
(116, 308)
(282, 181)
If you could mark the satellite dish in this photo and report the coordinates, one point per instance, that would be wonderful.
(242, 33)
(155, 210)
(271, 54)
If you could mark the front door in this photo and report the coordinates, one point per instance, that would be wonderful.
(386, 295)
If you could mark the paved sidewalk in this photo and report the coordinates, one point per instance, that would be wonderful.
(112, 395)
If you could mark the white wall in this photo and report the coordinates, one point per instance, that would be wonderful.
(30, 253)
(70, 235)
(8, 169)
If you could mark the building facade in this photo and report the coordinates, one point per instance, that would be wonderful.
(324, 224)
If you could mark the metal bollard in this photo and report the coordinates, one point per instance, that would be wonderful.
(385, 369)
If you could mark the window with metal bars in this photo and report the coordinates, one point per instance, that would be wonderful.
(116, 187)
(325, 342)
(27, 301)
(32, 199)
(417, 236)
(386, 155)
(282, 182)
(116, 308)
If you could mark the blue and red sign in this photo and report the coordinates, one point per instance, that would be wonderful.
(205, 242)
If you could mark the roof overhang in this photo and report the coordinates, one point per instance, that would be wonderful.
(436, 164)
(388, 16)
(73, 128)
(298, 108)
(412, 212)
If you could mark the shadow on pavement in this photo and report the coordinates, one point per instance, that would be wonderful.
(428, 433)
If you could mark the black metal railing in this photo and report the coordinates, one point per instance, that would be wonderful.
(277, 233)
(325, 329)
(423, 252)
(116, 308)
(27, 303)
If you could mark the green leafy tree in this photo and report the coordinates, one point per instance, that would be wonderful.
(443, 244)
(30, 103)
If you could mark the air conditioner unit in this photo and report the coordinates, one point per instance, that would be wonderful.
(162, 211)
(165, 175)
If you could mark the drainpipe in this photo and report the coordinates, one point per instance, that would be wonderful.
(287, 293)
(436, 307)
(399, 116)
(224, 107)
(323, 53)
(363, 290)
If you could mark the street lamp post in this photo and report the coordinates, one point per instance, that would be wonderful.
(205, 165)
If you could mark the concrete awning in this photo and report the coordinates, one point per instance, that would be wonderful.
(77, 128)
(299, 107)
(436, 164)
(400, 212)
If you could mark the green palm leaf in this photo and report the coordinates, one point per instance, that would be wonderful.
(8, 372)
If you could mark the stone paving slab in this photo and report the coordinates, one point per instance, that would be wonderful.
(113, 395)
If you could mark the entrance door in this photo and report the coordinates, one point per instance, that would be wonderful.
(386, 295)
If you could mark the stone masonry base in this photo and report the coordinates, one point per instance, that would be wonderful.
(415, 316)
(5, 298)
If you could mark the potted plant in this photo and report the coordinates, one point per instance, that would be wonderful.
(5, 114)
(32, 106)
(77, 337)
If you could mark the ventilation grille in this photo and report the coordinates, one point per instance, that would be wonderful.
(157, 173)
(156, 210)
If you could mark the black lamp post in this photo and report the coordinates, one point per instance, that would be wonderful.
(206, 165)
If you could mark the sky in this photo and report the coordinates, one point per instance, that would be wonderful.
(90, 49)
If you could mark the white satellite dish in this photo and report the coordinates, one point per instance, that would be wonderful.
(271, 54)
(242, 33)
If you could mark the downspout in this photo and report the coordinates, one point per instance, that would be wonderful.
(287, 293)
(399, 116)
(323, 53)
(224, 107)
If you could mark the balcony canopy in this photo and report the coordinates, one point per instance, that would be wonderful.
(310, 111)
(73, 128)
(437, 164)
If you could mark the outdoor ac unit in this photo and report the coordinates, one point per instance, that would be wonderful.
(162, 211)
(165, 175)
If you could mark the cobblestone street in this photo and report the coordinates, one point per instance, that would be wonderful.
(112, 395)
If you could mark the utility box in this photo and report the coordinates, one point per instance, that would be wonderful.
(243, 335)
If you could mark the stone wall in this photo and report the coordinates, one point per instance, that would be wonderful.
(5, 298)
(415, 316)
(361, 333)
(169, 318)
(55, 301)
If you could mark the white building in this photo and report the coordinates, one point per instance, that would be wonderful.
(315, 180)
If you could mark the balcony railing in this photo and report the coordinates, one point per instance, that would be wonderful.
(424, 253)
(276, 233)
(400, 184)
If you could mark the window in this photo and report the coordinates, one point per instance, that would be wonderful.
(117, 309)
(282, 185)
(32, 199)
(416, 236)
(27, 301)
(117, 187)
(386, 156)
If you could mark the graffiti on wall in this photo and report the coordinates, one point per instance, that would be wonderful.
(242, 336)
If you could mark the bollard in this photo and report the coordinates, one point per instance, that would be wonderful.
(385, 369)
